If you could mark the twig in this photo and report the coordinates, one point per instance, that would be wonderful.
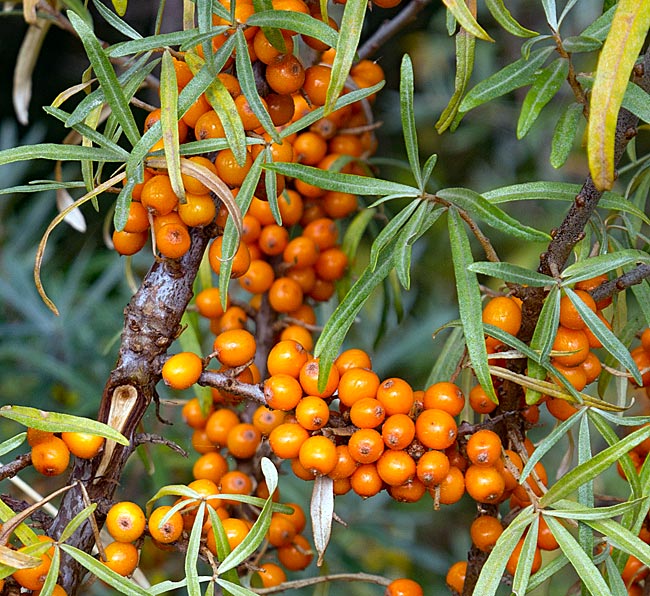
(218, 380)
(20, 463)
(631, 278)
(313, 581)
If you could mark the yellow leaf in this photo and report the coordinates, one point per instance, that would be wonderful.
(466, 19)
(620, 51)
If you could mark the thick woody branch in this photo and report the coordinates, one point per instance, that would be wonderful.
(627, 280)
(211, 378)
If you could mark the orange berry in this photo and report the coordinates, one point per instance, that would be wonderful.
(316, 82)
(249, 119)
(282, 392)
(569, 316)
(480, 402)
(503, 312)
(645, 339)
(452, 488)
(259, 277)
(484, 483)
(309, 148)
(433, 467)
(396, 467)
(444, 396)
(575, 375)
(285, 439)
(300, 252)
(286, 74)
(173, 240)
(208, 125)
(138, 220)
(158, 195)
(404, 587)
(591, 284)
(345, 465)
(297, 555)
(318, 455)
(455, 578)
(570, 340)
(513, 560)
(235, 347)
(367, 412)
(235, 482)
(281, 531)
(485, 531)
(352, 358)
(309, 374)
(357, 383)
(50, 457)
(219, 424)
(229, 170)
(545, 538)
(170, 530)
(266, 419)
(398, 431)
(33, 578)
(210, 466)
(193, 185)
(182, 370)
(83, 445)
(129, 243)
(286, 357)
(484, 448)
(201, 443)
(198, 210)
(271, 575)
(233, 318)
(125, 521)
(323, 232)
(281, 108)
(35, 436)
(208, 301)
(366, 445)
(365, 480)
(436, 428)
(396, 395)
(312, 412)
(560, 409)
(243, 440)
(285, 295)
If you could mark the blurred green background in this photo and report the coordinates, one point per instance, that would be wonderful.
(61, 363)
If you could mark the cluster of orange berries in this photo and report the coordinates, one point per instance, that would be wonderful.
(336, 141)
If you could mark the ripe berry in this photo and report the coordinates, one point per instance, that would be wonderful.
(366, 445)
(436, 428)
(404, 587)
(50, 457)
(33, 578)
(484, 448)
(456, 576)
(83, 445)
(219, 424)
(282, 392)
(318, 455)
(484, 483)
(395, 467)
(286, 357)
(182, 370)
(285, 440)
(125, 521)
(444, 396)
(235, 347)
(309, 374)
(396, 395)
(271, 575)
(297, 555)
(312, 412)
(485, 531)
(243, 440)
(167, 532)
(365, 480)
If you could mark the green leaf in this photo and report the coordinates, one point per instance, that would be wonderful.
(169, 123)
(493, 569)
(12, 443)
(76, 521)
(502, 16)
(546, 85)
(102, 572)
(549, 570)
(477, 206)
(589, 470)
(57, 152)
(107, 78)
(114, 21)
(572, 510)
(609, 340)
(465, 47)
(192, 553)
(234, 589)
(40, 186)
(354, 232)
(550, 10)
(346, 48)
(511, 273)
(636, 100)
(466, 19)
(526, 556)
(390, 231)
(600, 264)
(328, 180)
(246, 78)
(55, 422)
(52, 574)
(409, 128)
(620, 51)
(581, 561)
(449, 357)
(301, 23)
(515, 75)
(601, 26)
(564, 134)
(469, 301)
(576, 45)
(154, 42)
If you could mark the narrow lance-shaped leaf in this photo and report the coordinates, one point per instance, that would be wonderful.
(169, 123)
(515, 75)
(550, 10)
(469, 301)
(390, 231)
(564, 134)
(116, 22)
(546, 85)
(620, 51)
(302, 23)
(526, 556)
(465, 47)
(511, 273)
(107, 78)
(502, 16)
(346, 48)
(466, 19)
(408, 118)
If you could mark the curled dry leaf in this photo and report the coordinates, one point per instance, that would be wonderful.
(322, 514)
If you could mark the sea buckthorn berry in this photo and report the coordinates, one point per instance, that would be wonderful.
(35, 436)
(367, 412)
(296, 517)
(282, 392)
(345, 464)
(323, 232)
(301, 252)
(352, 358)
(173, 240)
(271, 574)
(455, 578)
(201, 443)
(366, 481)
(504, 313)
(312, 412)
(560, 409)
(198, 210)
(346, 144)
(287, 357)
(208, 302)
(444, 396)
(235, 347)
(58, 590)
(594, 342)
(513, 459)
(125, 521)
(395, 467)
(331, 264)
(281, 531)
(249, 119)
(317, 80)
(341, 486)
(196, 110)
(233, 318)
(285, 295)
(243, 440)
(545, 538)
(357, 383)
(281, 108)
(285, 439)
(304, 314)
(33, 578)
(297, 555)
(338, 205)
(265, 51)
(259, 277)
(367, 73)
(398, 431)
(251, 229)
(645, 339)
(210, 466)
(436, 428)
(591, 284)
(158, 195)
(366, 445)
(569, 316)
(484, 447)
(219, 424)
(409, 492)
(322, 290)
(318, 455)
(485, 531)
(83, 445)
(309, 374)
(266, 419)
(138, 220)
(192, 184)
(642, 360)
(432, 468)
(396, 395)
(309, 148)
(129, 243)
(273, 240)
(182, 370)
(634, 571)
(403, 587)
(208, 126)
(513, 560)
(236, 531)
(570, 340)
(169, 531)
(286, 74)
(479, 401)
(484, 483)
(50, 457)
(228, 168)
(452, 488)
